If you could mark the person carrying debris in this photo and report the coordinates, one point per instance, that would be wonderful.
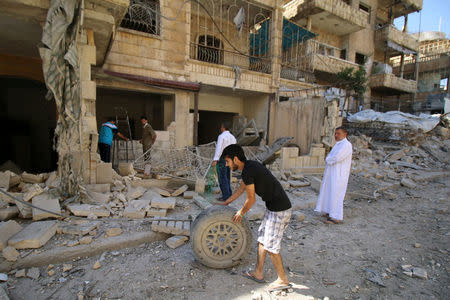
(256, 178)
(335, 178)
(223, 172)
(105, 139)
(148, 136)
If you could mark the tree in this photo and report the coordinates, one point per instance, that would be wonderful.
(351, 80)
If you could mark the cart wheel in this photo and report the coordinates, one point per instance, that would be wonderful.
(217, 242)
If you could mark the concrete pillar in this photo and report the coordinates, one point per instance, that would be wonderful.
(183, 137)
(402, 65)
(309, 24)
(276, 40)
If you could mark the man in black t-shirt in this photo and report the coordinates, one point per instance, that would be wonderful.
(258, 179)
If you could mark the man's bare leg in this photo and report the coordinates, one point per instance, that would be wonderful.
(261, 257)
(282, 279)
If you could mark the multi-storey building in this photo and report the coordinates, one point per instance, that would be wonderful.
(352, 33)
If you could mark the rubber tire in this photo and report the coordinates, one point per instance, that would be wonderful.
(205, 219)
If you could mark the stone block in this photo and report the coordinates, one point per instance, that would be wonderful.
(200, 186)
(168, 203)
(84, 210)
(31, 178)
(157, 212)
(14, 180)
(396, 155)
(99, 188)
(288, 163)
(161, 192)
(4, 180)
(189, 194)
(35, 235)
(77, 229)
(150, 194)
(306, 161)
(180, 191)
(52, 180)
(8, 199)
(298, 183)
(47, 202)
(116, 231)
(10, 253)
(125, 169)
(34, 273)
(316, 183)
(176, 241)
(409, 183)
(88, 54)
(8, 213)
(289, 152)
(299, 162)
(7, 230)
(314, 161)
(33, 191)
(319, 152)
(133, 213)
(25, 211)
(88, 89)
(104, 173)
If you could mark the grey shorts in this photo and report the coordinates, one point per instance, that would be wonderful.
(272, 228)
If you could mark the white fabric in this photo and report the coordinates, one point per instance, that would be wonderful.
(335, 180)
(424, 122)
(225, 139)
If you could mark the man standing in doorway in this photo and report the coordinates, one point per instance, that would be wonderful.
(148, 136)
(256, 178)
(335, 178)
(105, 139)
(223, 172)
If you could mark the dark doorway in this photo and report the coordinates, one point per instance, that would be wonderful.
(209, 125)
(28, 121)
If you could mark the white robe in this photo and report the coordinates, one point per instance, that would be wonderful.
(335, 180)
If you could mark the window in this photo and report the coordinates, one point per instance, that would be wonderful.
(210, 49)
(144, 16)
(360, 59)
(366, 9)
(343, 54)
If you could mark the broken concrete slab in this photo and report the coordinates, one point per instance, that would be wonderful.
(396, 155)
(125, 169)
(4, 180)
(104, 173)
(52, 181)
(157, 212)
(419, 273)
(133, 213)
(134, 193)
(20, 273)
(99, 187)
(25, 211)
(201, 202)
(7, 230)
(33, 191)
(8, 199)
(200, 185)
(316, 183)
(299, 183)
(176, 241)
(162, 192)
(47, 202)
(31, 178)
(35, 235)
(189, 194)
(180, 191)
(77, 229)
(84, 210)
(168, 203)
(99, 198)
(176, 228)
(10, 253)
(8, 213)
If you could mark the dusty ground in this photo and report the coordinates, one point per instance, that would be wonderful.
(332, 261)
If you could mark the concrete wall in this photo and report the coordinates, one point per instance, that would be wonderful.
(301, 119)
(257, 107)
(215, 102)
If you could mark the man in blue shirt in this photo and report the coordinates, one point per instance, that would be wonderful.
(105, 139)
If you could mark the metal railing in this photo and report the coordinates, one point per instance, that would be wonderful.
(230, 58)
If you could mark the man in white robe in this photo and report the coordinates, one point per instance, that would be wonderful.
(335, 178)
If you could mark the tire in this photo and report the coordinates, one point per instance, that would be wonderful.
(232, 246)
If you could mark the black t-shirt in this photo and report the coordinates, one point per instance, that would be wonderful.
(266, 186)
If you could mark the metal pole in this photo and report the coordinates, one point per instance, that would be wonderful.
(195, 136)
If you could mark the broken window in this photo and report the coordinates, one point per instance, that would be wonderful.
(360, 59)
(144, 16)
(366, 9)
(210, 49)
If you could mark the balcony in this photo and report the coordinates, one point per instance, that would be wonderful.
(390, 84)
(332, 16)
(312, 57)
(402, 7)
(395, 37)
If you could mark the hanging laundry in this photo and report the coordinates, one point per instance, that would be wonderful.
(239, 20)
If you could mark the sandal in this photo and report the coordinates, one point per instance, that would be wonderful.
(247, 274)
(331, 221)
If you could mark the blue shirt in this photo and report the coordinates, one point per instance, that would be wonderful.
(107, 132)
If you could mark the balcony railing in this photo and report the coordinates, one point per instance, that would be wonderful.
(220, 56)
(390, 33)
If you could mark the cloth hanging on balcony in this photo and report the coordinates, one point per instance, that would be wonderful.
(239, 20)
(292, 33)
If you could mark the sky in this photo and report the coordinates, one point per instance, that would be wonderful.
(432, 10)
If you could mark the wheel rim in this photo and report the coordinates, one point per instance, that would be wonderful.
(222, 240)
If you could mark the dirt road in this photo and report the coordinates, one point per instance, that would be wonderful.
(334, 261)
